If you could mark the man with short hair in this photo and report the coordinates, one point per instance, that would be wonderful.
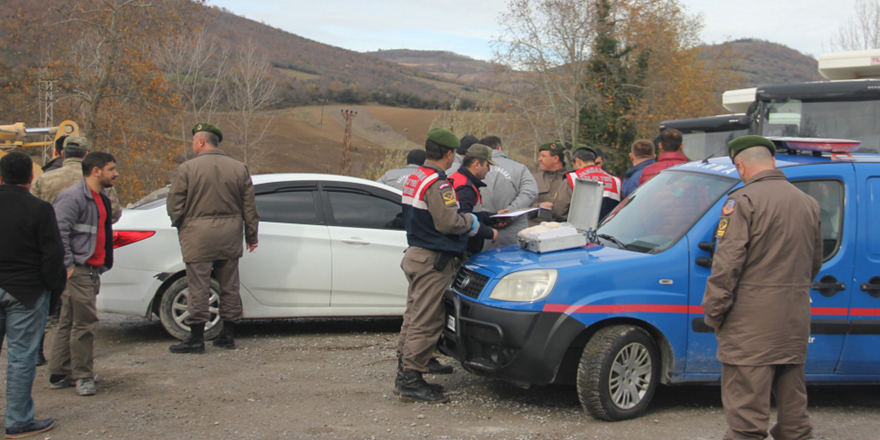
(463, 144)
(509, 186)
(672, 155)
(397, 178)
(467, 182)
(58, 161)
(437, 234)
(31, 276)
(211, 203)
(83, 213)
(641, 153)
(583, 160)
(600, 157)
(768, 251)
(551, 161)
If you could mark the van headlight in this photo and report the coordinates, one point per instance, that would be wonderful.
(525, 286)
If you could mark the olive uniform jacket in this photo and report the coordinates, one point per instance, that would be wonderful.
(549, 185)
(768, 250)
(211, 201)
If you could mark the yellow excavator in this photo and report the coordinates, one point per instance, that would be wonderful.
(15, 136)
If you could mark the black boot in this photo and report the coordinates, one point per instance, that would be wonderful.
(195, 343)
(225, 340)
(414, 389)
(397, 380)
(435, 367)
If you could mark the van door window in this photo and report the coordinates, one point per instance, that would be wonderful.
(829, 195)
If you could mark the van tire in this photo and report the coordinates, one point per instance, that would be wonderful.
(624, 392)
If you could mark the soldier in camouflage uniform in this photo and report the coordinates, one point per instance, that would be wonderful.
(52, 183)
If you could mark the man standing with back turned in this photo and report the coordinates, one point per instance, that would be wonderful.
(758, 296)
(31, 273)
(436, 233)
(211, 201)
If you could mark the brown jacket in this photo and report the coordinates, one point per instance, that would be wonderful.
(769, 249)
(549, 185)
(210, 202)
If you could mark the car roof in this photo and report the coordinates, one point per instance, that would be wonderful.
(724, 166)
(300, 177)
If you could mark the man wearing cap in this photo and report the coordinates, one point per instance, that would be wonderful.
(758, 295)
(467, 182)
(551, 160)
(436, 233)
(397, 177)
(509, 186)
(583, 160)
(210, 202)
(672, 155)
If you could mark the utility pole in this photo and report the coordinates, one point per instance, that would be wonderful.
(323, 101)
(346, 142)
(47, 110)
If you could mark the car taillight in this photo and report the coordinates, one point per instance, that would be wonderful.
(123, 238)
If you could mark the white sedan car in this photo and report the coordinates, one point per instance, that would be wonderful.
(329, 246)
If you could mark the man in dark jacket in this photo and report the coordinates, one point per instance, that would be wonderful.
(58, 161)
(672, 155)
(769, 249)
(641, 154)
(84, 219)
(31, 275)
(467, 182)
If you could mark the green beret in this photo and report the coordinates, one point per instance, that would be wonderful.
(210, 128)
(444, 138)
(739, 144)
(553, 146)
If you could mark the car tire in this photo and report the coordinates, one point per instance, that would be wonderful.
(172, 310)
(618, 373)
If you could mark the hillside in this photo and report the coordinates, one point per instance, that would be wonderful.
(305, 62)
(451, 66)
(763, 62)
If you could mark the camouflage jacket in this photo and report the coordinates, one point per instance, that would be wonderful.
(52, 183)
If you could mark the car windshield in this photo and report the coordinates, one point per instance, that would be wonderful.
(152, 199)
(859, 120)
(700, 144)
(663, 210)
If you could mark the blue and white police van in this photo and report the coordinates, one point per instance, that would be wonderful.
(622, 315)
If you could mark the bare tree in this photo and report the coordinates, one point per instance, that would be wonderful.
(252, 90)
(196, 67)
(862, 31)
(550, 40)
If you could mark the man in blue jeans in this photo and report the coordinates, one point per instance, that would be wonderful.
(31, 276)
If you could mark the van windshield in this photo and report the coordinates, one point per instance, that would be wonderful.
(858, 120)
(663, 210)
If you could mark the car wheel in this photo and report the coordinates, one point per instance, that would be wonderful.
(618, 373)
(172, 310)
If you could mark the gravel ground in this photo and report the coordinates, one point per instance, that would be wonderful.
(333, 379)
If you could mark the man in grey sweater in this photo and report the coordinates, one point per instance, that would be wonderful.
(509, 185)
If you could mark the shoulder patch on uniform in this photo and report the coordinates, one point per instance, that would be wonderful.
(728, 207)
(443, 186)
(722, 228)
(448, 195)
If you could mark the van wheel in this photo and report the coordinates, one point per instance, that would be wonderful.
(618, 373)
(172, 310)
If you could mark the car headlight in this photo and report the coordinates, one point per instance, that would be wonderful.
(525, 286)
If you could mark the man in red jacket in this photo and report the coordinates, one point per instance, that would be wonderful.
(672, 155)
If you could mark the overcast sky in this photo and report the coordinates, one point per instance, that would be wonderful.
(467, 27)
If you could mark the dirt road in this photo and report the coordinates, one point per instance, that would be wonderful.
(332, 379)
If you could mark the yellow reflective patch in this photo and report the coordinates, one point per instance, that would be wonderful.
(448, 197)
(722, 228)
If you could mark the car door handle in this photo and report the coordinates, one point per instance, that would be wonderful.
(355, 240)
(872, 287)
(828, 286)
